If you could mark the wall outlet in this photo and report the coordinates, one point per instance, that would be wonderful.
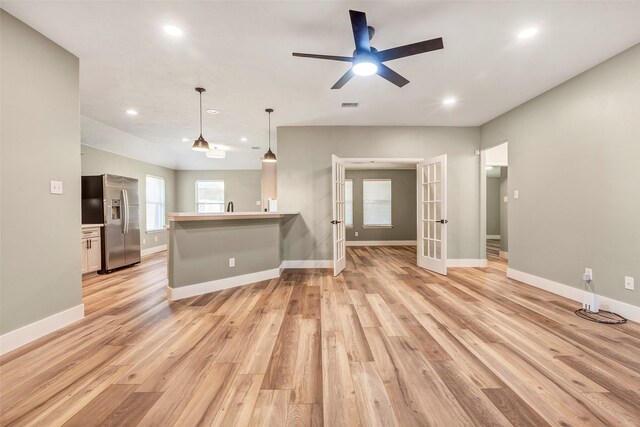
(144, 241)
(55, 187)
(257, 202)
(588, 272)
(629, 283)
(232, 262)
(156, 237)
(356, 234)
(515, 194)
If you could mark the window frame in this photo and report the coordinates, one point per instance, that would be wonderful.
(346, 224)
(196, 194)
(390, 225)
(163, 204)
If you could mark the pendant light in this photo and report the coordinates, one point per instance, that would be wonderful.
(200, 144)
(269, 157)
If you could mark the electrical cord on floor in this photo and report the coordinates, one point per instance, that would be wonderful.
(602, 316)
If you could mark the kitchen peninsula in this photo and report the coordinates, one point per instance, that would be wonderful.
(213, 251)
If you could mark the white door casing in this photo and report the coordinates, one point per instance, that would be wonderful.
(338, 221)
(432, 214)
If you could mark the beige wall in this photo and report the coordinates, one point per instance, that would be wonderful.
(403, 205)
(39, 142)
(304, 179)
(573, 156)
(493, 206)
(99, 162)
(240, 186)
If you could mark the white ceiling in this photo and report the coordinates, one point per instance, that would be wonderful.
(240, 51)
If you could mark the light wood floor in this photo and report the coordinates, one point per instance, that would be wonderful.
(385, 343)
(493, 249)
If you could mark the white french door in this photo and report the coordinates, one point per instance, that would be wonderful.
(339, 232)
(432, 214)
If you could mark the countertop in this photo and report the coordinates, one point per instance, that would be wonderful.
(196, 216)
(91, 225)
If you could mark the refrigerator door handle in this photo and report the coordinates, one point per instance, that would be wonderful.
(126, 211)
(123, 210)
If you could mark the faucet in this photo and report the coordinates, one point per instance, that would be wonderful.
(230, 207)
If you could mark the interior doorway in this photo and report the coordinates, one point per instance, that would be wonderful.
(391, 202)
(495, 202)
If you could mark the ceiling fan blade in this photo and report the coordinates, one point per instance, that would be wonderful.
(330, 57)
(343, 80)
(360, 31)
(410, 49)
(388, 74)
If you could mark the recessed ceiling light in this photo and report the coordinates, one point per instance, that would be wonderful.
(212, 111)
(243, 139)
(529, 32)
(185, 139)
(448, 101)
(132, 112)
(172, 30)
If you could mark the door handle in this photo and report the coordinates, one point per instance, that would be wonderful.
(335, 222)
(443, 221)
(87, 244)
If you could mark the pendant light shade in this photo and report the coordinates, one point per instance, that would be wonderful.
(269, 156)
(200, 144)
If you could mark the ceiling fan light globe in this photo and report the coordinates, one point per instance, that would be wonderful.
(365, 68)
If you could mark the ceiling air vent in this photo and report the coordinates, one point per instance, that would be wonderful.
(349, 105)
(255, 148)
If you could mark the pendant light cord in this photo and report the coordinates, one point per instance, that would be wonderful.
(200, 114)
(269, 130)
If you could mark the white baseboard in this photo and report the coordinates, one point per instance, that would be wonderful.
(628, 311)
(307, 264)
(153, 250)
(504, 255)
(175, 294)
(381, 243)
(466, 263)
(14, 339)
(494, 236)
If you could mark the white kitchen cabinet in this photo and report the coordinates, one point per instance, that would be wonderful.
(91, 252)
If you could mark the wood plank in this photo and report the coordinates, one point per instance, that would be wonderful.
(338, 396)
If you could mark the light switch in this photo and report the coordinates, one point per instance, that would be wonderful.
(55, 187)
(505, 199)
(257, 202)
(515, 194)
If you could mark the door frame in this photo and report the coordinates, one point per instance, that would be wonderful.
(483, 195)
(416, 161)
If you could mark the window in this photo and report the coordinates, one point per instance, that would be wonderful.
(210, 196)
(155, 203)
(376, 202)
(348, 202)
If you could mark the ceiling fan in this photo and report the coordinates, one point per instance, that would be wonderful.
(368, 60)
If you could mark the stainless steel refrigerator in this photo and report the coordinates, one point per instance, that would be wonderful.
(113, 201)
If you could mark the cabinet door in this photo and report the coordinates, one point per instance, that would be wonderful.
(94, 258)
(84, 255)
